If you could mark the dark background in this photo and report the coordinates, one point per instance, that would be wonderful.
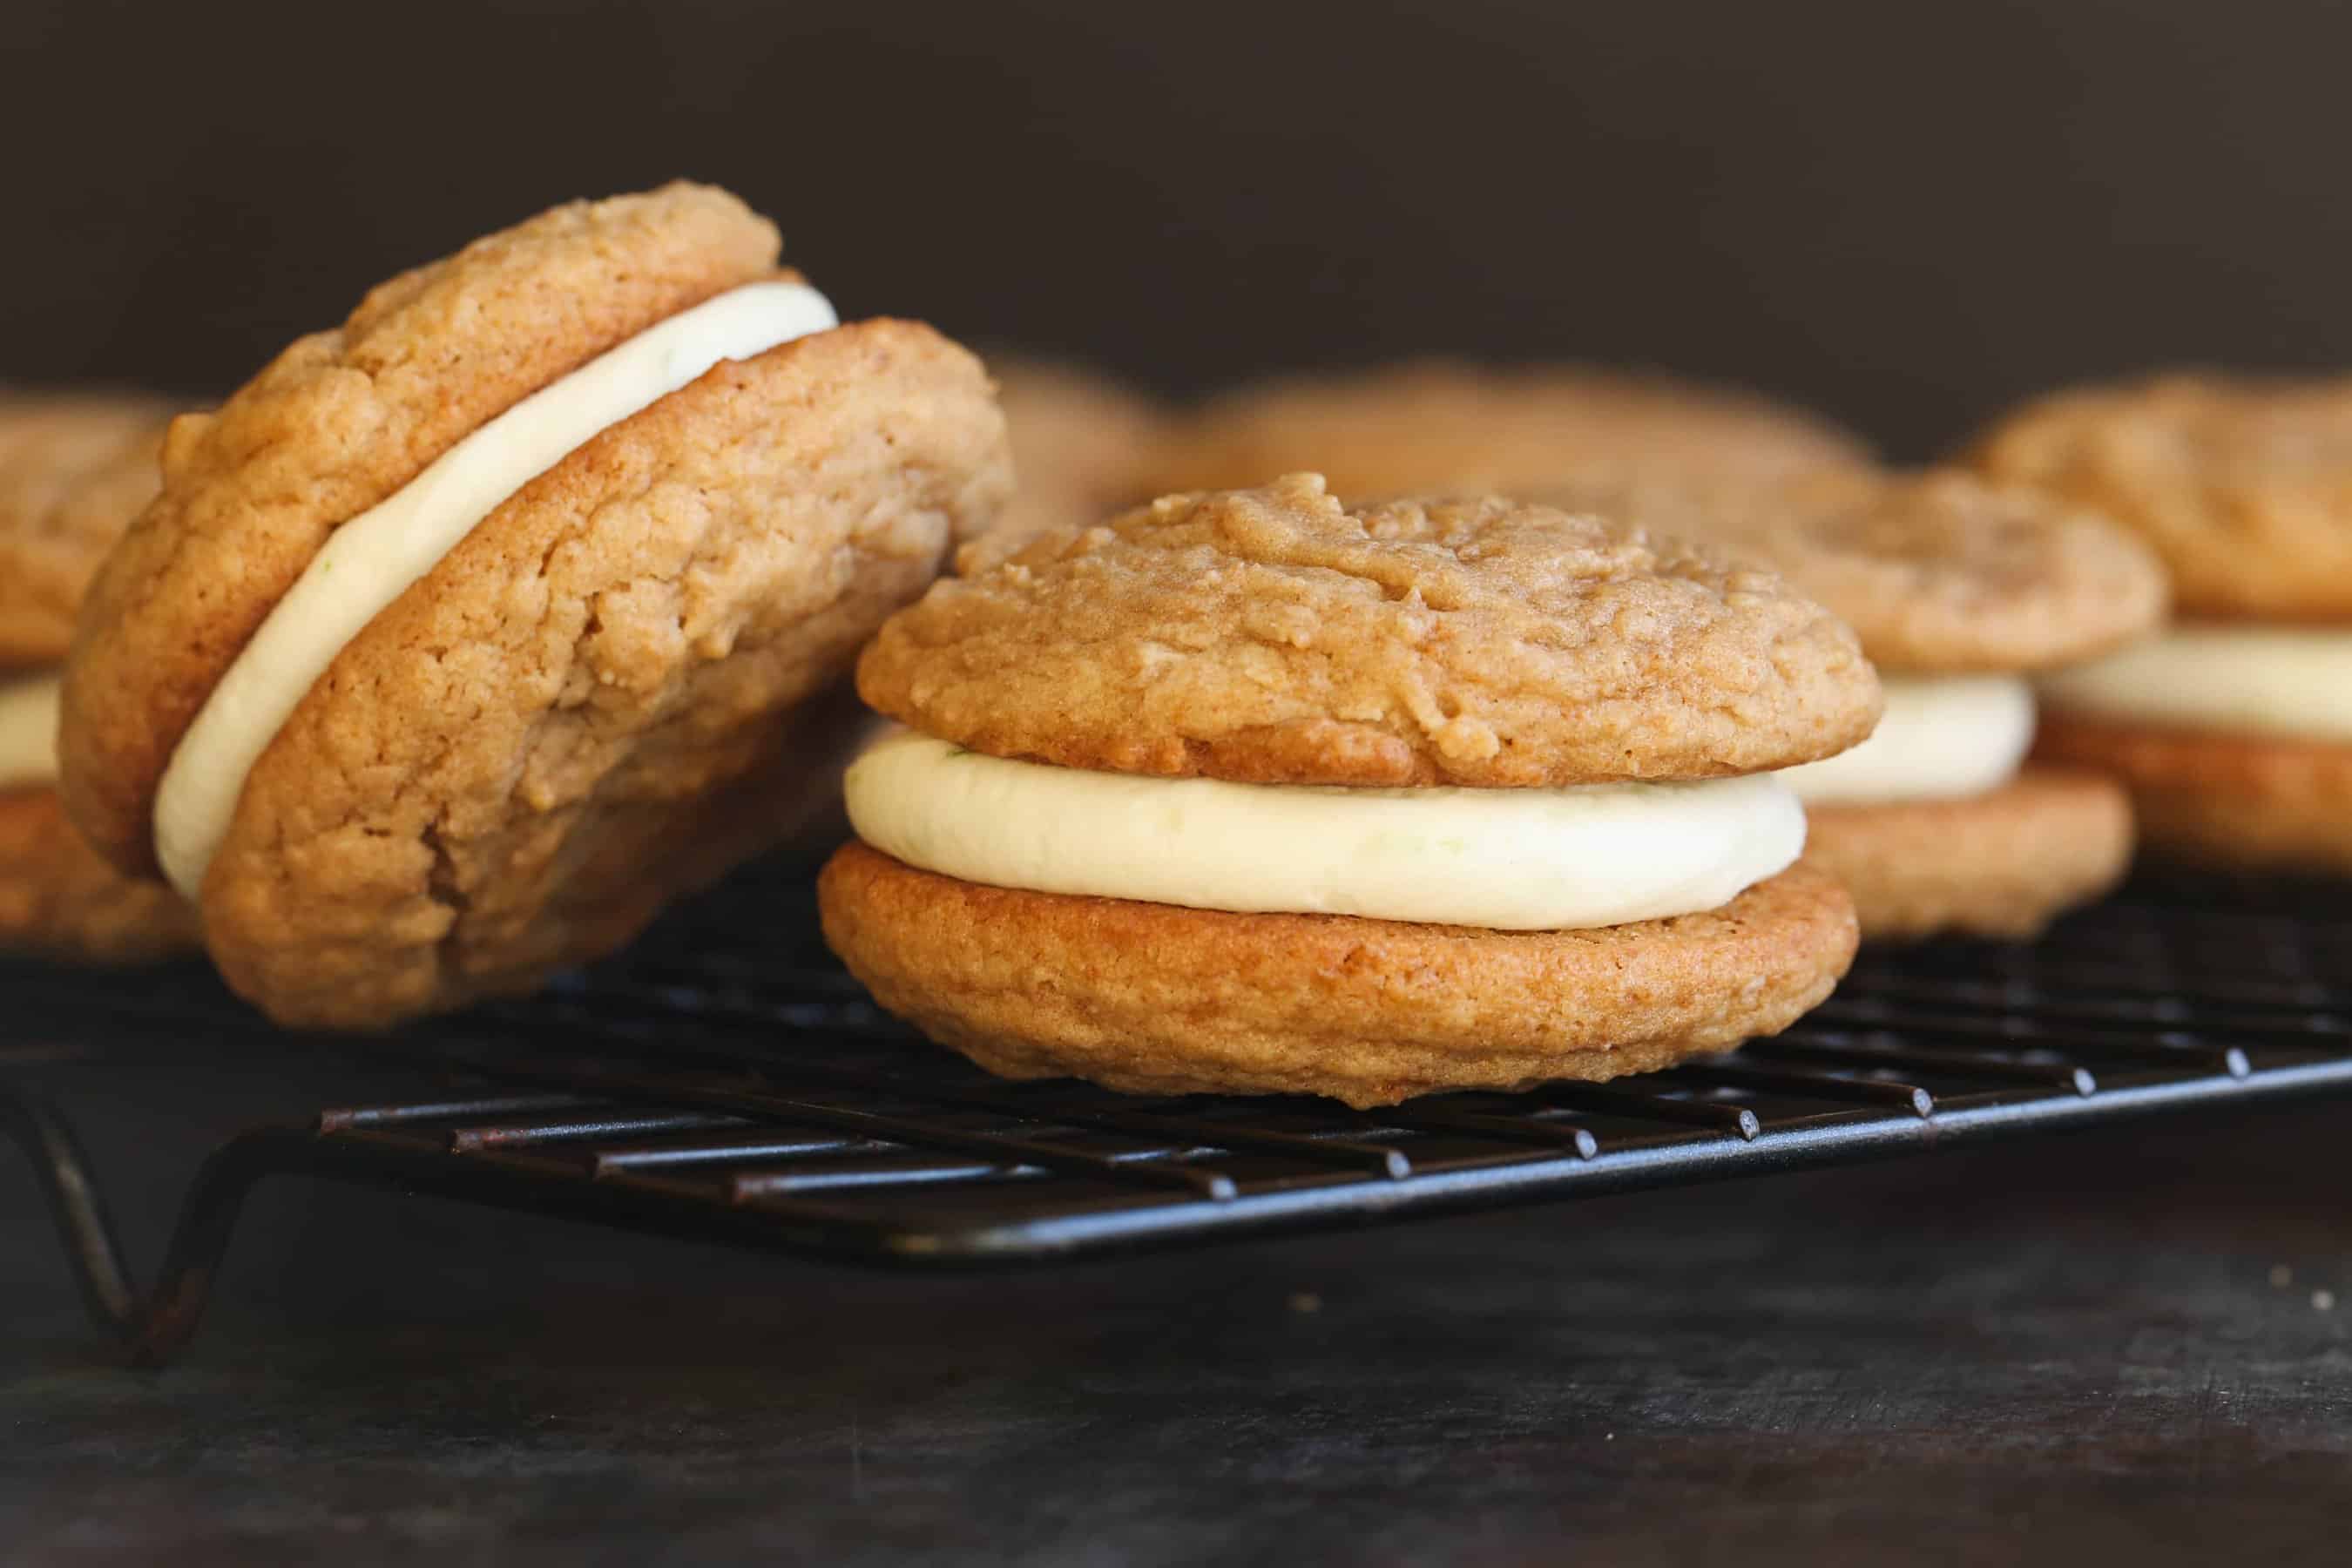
(1905, 213)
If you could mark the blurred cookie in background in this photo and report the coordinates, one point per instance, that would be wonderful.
(75, 468)
(2233, 730)
(1451, 425)
(1086, 447)
(1960, 591)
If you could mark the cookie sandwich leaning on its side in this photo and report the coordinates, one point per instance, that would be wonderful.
(2233, 729)
(74, 469)
(1961, 591)
(469, 632)
(1255, 792)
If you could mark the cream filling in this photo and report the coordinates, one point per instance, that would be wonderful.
(2290, 681)
(1942, 738)
(1509, 860)
(370, 560)
(28, 731)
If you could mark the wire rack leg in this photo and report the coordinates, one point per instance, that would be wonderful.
(76, 1204)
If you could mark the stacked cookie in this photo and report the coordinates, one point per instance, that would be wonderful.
(2233, 730)
(1959, 590)
(1256, 791)
(73, 471)
(469, 632)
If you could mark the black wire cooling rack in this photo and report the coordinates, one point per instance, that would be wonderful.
(727, 1080)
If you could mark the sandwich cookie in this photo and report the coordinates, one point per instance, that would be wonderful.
(1251, 791)
(1084, 445)
(1959, 591)
(73, 471)
(1438, 425)
(468, 632)
(2233, 729)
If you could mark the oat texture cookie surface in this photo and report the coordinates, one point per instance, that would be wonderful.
(471, 631)
(1256, 791)
(1451, 426)
(1936, 570)
(1276, 634)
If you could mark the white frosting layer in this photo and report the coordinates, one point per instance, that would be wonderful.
(28, 731)
(1942, 738)
(370, 560)
(2291, 682)
(1511, 859)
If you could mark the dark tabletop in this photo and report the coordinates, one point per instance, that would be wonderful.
(2131, 1340)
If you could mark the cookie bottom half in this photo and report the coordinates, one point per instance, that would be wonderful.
(1158, 999)
(2000, 863)
(59, 899)
(2255, 802)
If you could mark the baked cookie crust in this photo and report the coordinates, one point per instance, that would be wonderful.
(2001, 864)
(2254, 802)
(1275, 636)
(587, 707)
(1938, 572)
(1151, 998)
(2242, 484)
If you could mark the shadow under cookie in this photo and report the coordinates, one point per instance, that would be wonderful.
(2004, 863)
(1156, 998)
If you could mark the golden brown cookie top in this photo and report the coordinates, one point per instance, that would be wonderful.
(74, 469)
(336, 423)
(1438, 425)
(1938, 572)
(2242, 484)
(1084, 446)
(1275, 636)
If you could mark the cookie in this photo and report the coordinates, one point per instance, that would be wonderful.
(1157, 999)
(1936, 570)
(2234, 727)
(1085, 447)
(2242, 484)
(1255, 792)
(1959, 589)
(469, 633)
(2263, 803)
(1431, 425)
(61, 900)
(2000, 863)
(74, 469)
(1276, 636)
